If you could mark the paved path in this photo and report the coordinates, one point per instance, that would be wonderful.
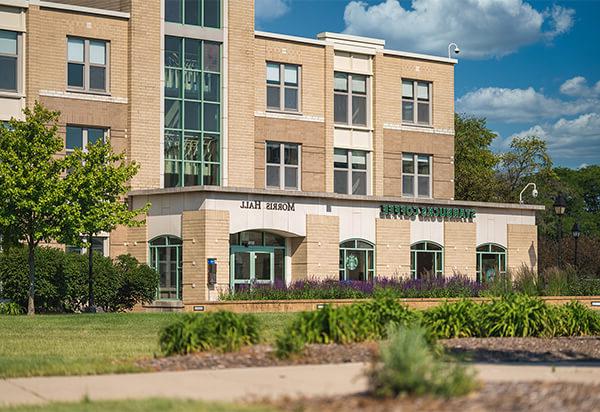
(248, 383)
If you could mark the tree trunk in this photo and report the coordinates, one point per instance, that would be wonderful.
(31, 293)
(91, 303)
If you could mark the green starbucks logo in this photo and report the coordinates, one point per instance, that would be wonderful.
(351, 262)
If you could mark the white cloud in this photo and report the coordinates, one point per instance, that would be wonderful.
(482, 28)
(270, 9)
(577, 86)
(520, 105)
(577, 139)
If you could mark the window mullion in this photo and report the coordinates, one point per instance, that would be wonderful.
(281, 166)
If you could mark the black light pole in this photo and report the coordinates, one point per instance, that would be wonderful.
(576, 233)
(560, 207)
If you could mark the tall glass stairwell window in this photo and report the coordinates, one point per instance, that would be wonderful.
(192, 135)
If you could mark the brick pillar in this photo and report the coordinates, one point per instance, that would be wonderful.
(329, 124)
(317, 255)
(459, 250)
(378, 88)
(137, 242)
(205, 235)
(522, 247)
(392, 247)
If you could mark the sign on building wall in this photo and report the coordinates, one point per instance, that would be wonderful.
(257, 204)
(389, 210)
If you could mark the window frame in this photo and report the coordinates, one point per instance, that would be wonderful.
(415, 101)
(87, 65)
(282, 166)
(370, 255)
(349, 94)
(85, 136)
(176, 244)
(80, 250)
(205, 168)
(438, 257)
(350, 171)
(415, 175)
(502, 257)
(18, 63)
(202, 11)
(282, 87)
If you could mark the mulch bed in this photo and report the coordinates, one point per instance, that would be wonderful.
(575, 349)
(519, 396)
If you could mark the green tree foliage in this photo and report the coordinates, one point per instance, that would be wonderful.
(96, 185)
(474, 161)
(32, 192)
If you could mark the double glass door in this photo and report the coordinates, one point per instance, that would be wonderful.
(252, 265)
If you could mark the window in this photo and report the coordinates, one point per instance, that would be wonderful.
(87, 67)
(283, 166)
(416, 102)
(166, 259)
(350, 170)
(350, 99)
(251, 255)
(192, 112)
(283, 87)
(205, 13)
(9, 61)
(81, 137)
(97, 247)
(416, 175)
(426, 260)
(357, 260)
(491, 261)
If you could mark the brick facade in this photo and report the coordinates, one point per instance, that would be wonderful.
(459, 252)
(392, 247)
(522, 247)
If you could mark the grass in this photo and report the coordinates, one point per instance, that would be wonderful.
(148, 405)
(85, 344)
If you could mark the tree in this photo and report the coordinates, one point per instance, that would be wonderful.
(31, 189)
(474, 161)
(527, 160)
(96, 185)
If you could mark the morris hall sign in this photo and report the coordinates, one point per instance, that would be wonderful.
(427, 211)
(257, 204)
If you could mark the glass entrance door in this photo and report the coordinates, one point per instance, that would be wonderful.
(251, 265)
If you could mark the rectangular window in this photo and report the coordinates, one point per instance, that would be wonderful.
(9, 61)
(283, 87)
(350, 99)
(87, 64)
(283, 166)
(416, 175)
(350, 171)
(97, 247)
(206, 13)
(192, 112)
(80, 137)
(416, 102)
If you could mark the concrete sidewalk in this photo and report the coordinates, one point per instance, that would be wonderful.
(249, 383)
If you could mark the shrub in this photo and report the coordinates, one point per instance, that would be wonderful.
(526, 281)
(345, 324)
(10, 308)
(410, 366)
(518, 315)
(220, 331)
(454, 320)
(577, 320)
(62, 280)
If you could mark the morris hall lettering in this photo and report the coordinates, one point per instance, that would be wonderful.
(428, 211)
(257, 204)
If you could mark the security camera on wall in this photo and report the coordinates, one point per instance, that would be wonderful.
(534, 193)
(457, 50)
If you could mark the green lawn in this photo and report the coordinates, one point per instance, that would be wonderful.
(89, 344)
(150, 405)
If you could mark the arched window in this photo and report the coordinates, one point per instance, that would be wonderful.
(426, 259)
(165, 258)
(357, 260)
(491, 261)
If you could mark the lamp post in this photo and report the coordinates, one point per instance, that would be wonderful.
(560, 207)
(576, 233)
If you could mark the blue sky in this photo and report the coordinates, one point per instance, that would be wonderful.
(529, 67)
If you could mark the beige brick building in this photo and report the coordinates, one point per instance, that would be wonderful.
(265, 157)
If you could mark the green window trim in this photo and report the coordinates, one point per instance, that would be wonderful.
(427, 247)
(193, 112)
(171, 245)
(491, 251)
(346, 262)
(195, 12)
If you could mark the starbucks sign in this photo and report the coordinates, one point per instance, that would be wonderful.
(427, 211)
(351, 262)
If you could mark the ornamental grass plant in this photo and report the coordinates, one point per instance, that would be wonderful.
(219, 331)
